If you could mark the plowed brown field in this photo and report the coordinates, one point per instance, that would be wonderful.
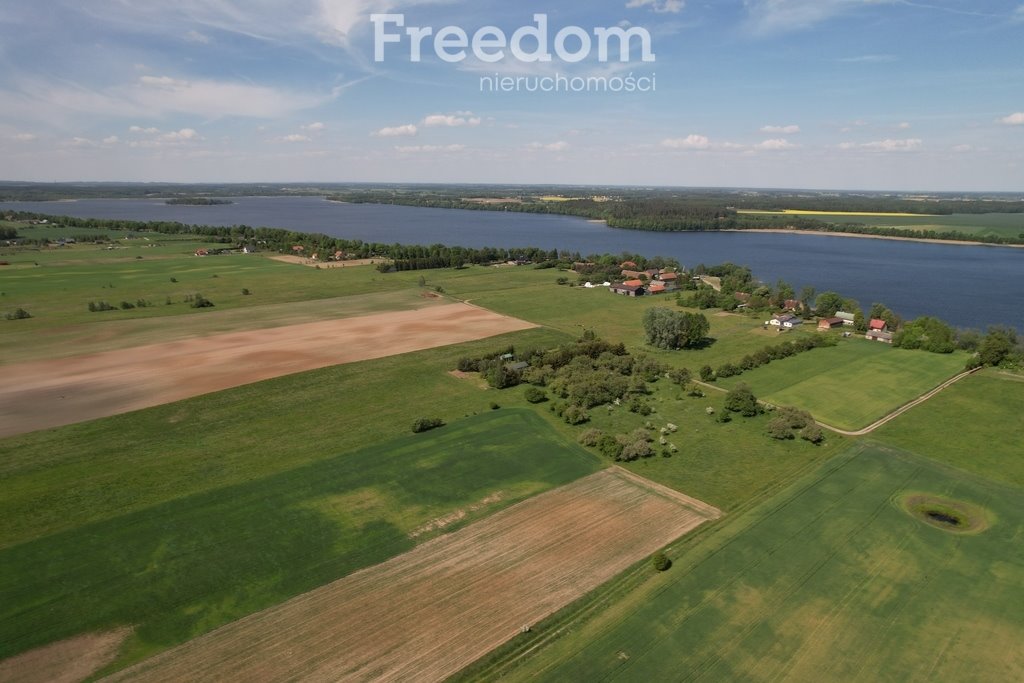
(427, 614)
(45, 394)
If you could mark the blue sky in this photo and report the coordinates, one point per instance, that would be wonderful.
(840, 94)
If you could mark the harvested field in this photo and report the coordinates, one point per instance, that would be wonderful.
(317, 263)
(428, 613)
(45, 394)
(68, 661)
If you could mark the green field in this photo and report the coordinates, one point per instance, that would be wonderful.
(985, 224)
(832, 581)
(851, 385)
(180, 568)
(975, 425)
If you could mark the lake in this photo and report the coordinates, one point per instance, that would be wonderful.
(969, 286)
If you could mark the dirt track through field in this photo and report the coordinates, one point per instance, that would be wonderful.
(427, 614)
(44, 394)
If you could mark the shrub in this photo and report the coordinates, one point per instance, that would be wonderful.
(494, 405)
(575, 415)
(609, 446)
(707, 374)
(640, 407)
(19, 314)
(425, 424)
(591, 438)
(635, 450)
(245, 291)
(742, 400)
(812, 433)
(779, 429)
(535, 395)
(201, 302)
(126, 305)
(661, 562)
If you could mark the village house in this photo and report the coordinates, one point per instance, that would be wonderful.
(793, 305)
(670, 280)
(634, 274)
(877, 325)
(786, 321)
(847, 318)
(628, 288)
(880, 336)
(826, 324)
(656, 288)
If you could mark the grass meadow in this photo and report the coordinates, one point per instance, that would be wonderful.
(182, 567)
(975, 425)
(831, 580)
(851, 385)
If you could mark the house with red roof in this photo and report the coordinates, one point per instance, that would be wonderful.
(877, 325)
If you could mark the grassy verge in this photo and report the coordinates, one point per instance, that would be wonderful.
(181, 568)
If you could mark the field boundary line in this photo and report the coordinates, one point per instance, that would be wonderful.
(899, 411)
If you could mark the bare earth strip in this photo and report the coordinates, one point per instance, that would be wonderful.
(45, 394)
(427, 614)
(68, 661)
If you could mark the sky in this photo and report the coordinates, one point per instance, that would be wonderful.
(820, 94)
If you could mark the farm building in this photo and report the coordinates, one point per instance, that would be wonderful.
(628, 289)
(670, 280)
(656, 288)
(634, 274)
(879, 336)
(793, 305)
(826, 324)
(877, 325)
(847, 318)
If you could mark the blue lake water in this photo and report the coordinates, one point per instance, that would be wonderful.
(968, 286)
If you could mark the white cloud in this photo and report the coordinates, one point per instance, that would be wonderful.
(869, 59)
(314, 127)
(396, 131)
(887, 145)
(417, 149)
(23, 137)
(215, 99)
(1013, 119)
(111, 140)
(659, 6)
(689, 142)
(295, 137)
(962, 148)
(904, 125)
(775, 145)
(781, 130)
(183, 135)
(174, 138)
(458, 119)
(195, 36)
(780, 16)
(559, 146)
(81, 142)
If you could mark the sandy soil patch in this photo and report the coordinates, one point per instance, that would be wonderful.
(45, 394)
(425, 615)
(68, 661)
(305, 261)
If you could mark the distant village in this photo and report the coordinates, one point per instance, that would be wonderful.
(657, 281)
